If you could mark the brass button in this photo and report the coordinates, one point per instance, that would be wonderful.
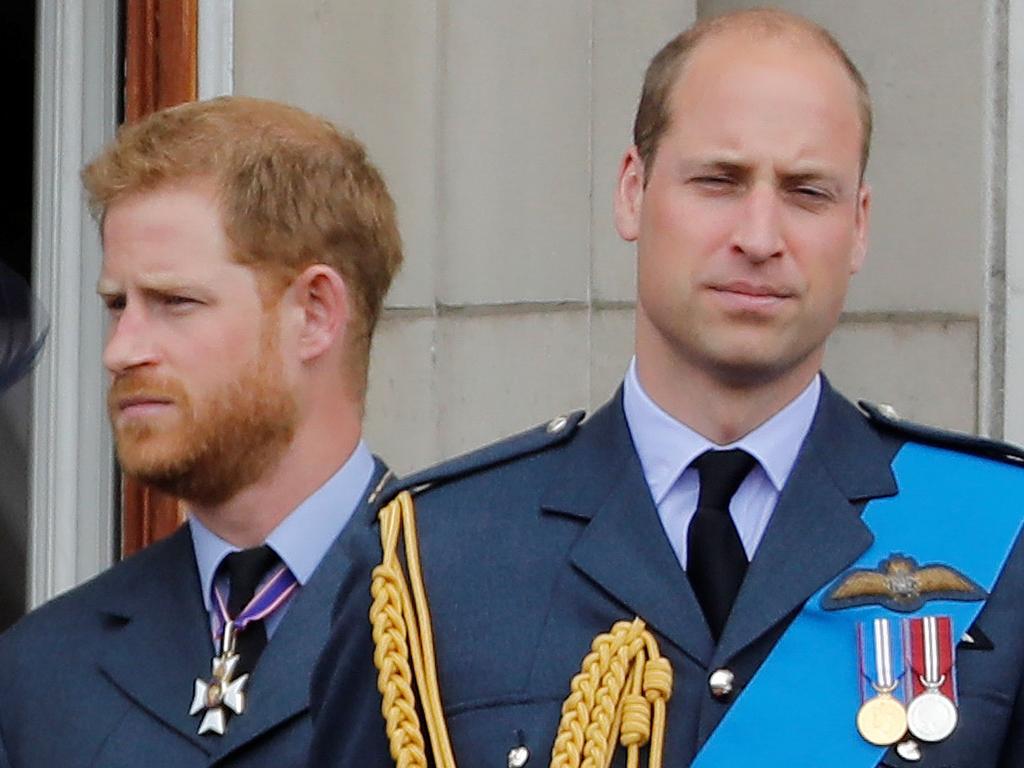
(557, 424)
(518, 757)
(720, 682)
(909, 750)
(888, 411)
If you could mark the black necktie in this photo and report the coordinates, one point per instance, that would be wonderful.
(715, 560)
(245, 570)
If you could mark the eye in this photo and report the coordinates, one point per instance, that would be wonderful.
(715, 181)
(812, 193)
(114, 304)
(179, 301)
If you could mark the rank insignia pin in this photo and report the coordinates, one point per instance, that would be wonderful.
(900, 584)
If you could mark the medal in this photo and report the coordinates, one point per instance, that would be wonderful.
(882, 718)
(932, 715)
(221, 693)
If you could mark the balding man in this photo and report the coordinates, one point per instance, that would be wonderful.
(728, 564)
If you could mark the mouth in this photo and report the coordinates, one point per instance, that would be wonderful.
(142, 405)
(744, 295)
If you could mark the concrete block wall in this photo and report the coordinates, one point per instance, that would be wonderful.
(914, 333)
(500, 126)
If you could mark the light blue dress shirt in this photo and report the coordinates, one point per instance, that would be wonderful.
(666, 448)
(301, 540)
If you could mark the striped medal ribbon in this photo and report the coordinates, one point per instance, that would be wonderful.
(882, 717)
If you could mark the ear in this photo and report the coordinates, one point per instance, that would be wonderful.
(629, 195)
(322, 308)
(863, 220)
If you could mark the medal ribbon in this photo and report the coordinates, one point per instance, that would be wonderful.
(930, 642)
(881, 659)
(267, 599)
(951, 508)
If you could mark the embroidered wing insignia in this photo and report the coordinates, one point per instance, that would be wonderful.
(899, 584)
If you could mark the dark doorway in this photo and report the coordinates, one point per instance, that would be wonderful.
(17, 61)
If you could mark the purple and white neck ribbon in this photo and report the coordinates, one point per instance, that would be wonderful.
(268, 598)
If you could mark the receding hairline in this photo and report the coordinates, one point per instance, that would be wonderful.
(760, 25)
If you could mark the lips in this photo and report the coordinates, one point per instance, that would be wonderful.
(749, 298)
(754, 290)
(141, 400)
(133, 397)
(142, 406)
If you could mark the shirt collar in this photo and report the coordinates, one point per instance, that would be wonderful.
(666, 447)
(302, 539)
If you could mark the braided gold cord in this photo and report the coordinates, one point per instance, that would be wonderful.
(402, 634)
(622, 681)
(618, 697)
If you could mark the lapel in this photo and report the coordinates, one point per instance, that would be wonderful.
(815, 531)
(279, 689)
(158, 638)
(623, 547)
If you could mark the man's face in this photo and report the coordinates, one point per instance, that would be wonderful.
(198, 401)
(753, 217)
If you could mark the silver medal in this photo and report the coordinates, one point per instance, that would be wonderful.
(932, 716)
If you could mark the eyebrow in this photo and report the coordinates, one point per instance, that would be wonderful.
(156, 283)
(809, 174)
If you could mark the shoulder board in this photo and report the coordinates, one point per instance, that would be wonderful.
(541, 437)
(886, 417)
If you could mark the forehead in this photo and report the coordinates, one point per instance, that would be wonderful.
(174, 230)
(739, 89)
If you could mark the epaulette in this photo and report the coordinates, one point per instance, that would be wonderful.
(885, 417)
(541, 437)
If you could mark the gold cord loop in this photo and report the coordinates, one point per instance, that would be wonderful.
(618, 697)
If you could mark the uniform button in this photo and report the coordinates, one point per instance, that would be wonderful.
(720, 683)
(909, 750)
(557, 424)
(518, 757)
(888, 411)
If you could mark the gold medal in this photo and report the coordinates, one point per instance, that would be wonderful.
(882, 720)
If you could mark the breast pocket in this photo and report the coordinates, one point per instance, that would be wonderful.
(489, 733)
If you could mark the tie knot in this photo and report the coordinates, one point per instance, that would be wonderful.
(721, 473)
(245, 570)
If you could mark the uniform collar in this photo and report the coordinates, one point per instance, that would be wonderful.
(666, 447)
(304, 536)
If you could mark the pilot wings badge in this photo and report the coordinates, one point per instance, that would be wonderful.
(900, 584)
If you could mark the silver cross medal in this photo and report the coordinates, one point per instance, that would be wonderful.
(221, 692)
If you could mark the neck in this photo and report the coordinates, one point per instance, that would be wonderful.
(722, 410)
(321, 446)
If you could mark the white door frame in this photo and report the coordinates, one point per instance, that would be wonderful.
(73, 506)
(72, 493)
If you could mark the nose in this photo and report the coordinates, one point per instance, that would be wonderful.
(758, 234)
(129, 342)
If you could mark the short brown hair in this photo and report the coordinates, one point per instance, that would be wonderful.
(294, 191)
(653, 115)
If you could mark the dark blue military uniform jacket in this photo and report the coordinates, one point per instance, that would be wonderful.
(103, 676)
(534, 546)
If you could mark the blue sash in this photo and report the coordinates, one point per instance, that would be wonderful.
(952, 508)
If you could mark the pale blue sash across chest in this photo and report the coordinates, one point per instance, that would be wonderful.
(952, 508)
